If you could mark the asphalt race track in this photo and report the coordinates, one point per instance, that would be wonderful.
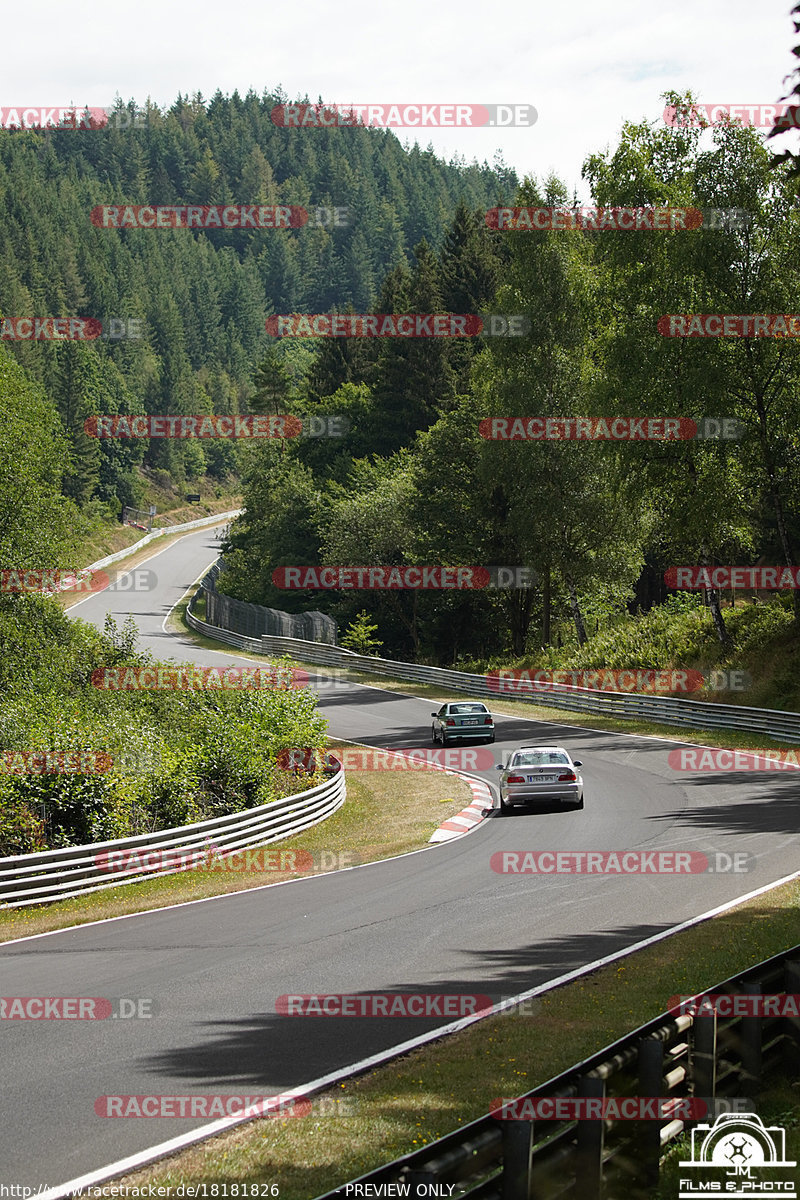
(436, 921)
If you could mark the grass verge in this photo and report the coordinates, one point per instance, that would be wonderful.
(425, 1094)
(386, 813)
(723, 738)
(431, 1091)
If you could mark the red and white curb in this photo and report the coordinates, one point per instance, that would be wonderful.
(470, 816)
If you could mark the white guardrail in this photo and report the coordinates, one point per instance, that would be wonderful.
(782, 726)
(214, 519)
(75, 870)
(53, 874)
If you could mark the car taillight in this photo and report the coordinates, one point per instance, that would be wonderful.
(449, 721)
(488, 721)
(516, 779)
(568, 777)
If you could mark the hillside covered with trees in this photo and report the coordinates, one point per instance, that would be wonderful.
(597, 521)
(202, 296)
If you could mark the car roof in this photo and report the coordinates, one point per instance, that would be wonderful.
(549, 749)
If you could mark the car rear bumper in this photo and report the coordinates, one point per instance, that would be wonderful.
(474, 731)
(522, 794)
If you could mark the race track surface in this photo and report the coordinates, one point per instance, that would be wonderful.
(440, 920)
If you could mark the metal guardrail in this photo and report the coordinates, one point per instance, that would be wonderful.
(214, 519)
(681, 1057)
(60, 874)
(665, 710)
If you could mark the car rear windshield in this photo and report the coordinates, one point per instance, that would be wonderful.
(467, 708)
(540, 758)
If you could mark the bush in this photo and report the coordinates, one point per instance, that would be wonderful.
(177, 757)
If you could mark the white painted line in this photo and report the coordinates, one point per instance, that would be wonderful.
(126, 1165)
(150, 558)
(149, 912)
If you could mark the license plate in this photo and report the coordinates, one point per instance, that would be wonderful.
(541, 779)
(471, 721)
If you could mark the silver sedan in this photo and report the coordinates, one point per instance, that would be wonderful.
(540, 773)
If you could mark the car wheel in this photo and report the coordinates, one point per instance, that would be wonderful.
(579, 804)
(434, 738)
(491, 739)
(505, 807)
(444, 738)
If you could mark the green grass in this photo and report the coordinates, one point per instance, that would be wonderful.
(432, 1091)
(732, 739)
(426, 1094)
(779, 1105)
(679, 635)
(386, 813)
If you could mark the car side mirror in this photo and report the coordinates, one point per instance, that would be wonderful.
(434, 714)
(576, 762)
(499, 767)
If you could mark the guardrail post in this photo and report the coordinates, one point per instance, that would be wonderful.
(517, 1160)
(791, 983)
(589, 1145)
(703, 1058)
(422, 1175)
(752, 1031)
(648, 1134)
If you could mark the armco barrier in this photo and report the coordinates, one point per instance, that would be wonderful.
(722, 1061)
(664, 710)
(214, 519)
(59, 874)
